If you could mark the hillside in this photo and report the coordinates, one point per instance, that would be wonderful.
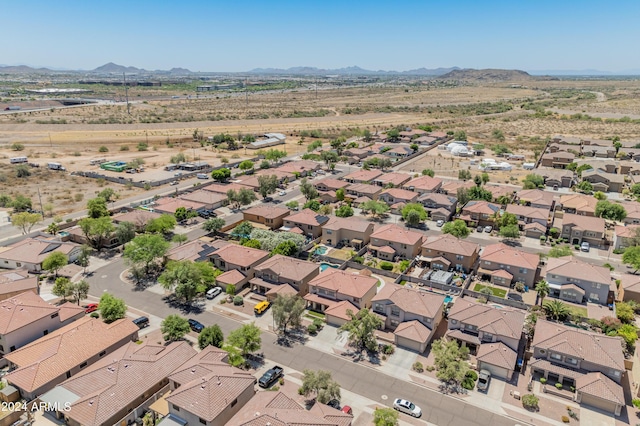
(487, 75)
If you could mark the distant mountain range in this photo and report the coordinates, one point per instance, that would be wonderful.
(487, 75)
(111, 68)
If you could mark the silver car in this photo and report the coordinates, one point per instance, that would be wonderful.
(483, 380)
(407, 407)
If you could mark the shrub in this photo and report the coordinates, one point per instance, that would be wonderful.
(312, 329)
(543, 380)
(17, 147)
(103, 149)
(124, 148)
(430, 368)
(358, 259)
(519, 287)
(530, 401)
(142, 146)
(472, 375)
(388, 349)
(281, 381)
(94, 315)
(576, 247)
(636, 402)
(565, 419)
(238, 300)
(417, 366)
(559, 386)
(318, 323)
(387, 266)
(468, 384)
(543, 238)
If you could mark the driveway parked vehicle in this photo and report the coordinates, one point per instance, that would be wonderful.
(584, 246)
(91, 307)
(407, 407)
(440, 223)
(483, 380)
(488, 229)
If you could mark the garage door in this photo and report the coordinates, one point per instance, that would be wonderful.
(495, 371)
(409, 344)
(335, 321)
(596, 402)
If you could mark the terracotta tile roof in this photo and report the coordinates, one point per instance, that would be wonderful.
(34, 250)
(53, 355)
(481, 206)
(170, 205)
(231, 277)
(299, 166)
(423, 183)
(530, 212)
(452, 186)
(610, 177)
(195, 250)
(268, 212)
(595, 348)
(383, 249)
(500, 190)
(24, 309)
(69, 310)
(340, 309)
(629, 231)
(501, 273)
(503, 254)
(579, 202)
(17, 280)
(497, 321)
(331, 415)
(536, 196)
(282, 289)
(364, 188)
(307, 217)
(288, 267)
(413, 330)
(400, 194)
(205, 197)
(449, 244)
(240, 255)
(352, 223)
(331, 183)
(137, 217)
(421, 303)
(361, 199)
(279, 174)
(574, 268)
(342, 282)
(223, 188)
(126, 374)
(465, 337)
(597, 384)
(585, 223)
(397, 234)
(363, 175)
(497, 354)
(630, 282)
(632, 208)
(199, 365)
(535, 225)
(396, 179)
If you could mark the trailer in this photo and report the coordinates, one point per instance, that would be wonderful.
(18, 160)
(13, 108)
(55, 166)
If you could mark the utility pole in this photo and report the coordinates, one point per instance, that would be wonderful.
(147, 136)
(246, 92)
(50, 142)
(40, 198)
(126, 91)
(316, 88)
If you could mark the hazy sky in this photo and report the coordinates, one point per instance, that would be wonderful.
(240, 35)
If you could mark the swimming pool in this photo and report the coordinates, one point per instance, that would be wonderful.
(321, 250)
(447, 299)
(324, 266)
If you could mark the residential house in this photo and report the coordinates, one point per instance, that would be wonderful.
(504, 265)
(169, 205)
(479, 212)
(393, 180)
(608, 166)
(223, 188)
(210, 200)
(591, 363)
(340, 313)
(26, 317)
(557, 160)
(139, 218)
(630, 167)
(423, 184)
(269, 216)
(447, 252)
(279, 409)
(527, 215)
(578, 229)
(598, 151)
(602, 181)
(576, 281)
(120, 387)
(348, 231)
(281, 176)
(633, 212)
(29, 253)
(450, 187)
(400, 151)
(556, 178)
(330, 184)
(196, 250)
(15, 282)
(239, 259)
(494, 334)
(334, 285)
(500, 192)
(391, 241)
(536, 198)
(359, 153)
(284, 270)
(301, 167)
(412, 314)
(362, 176)
(77, 235)
(393, 196)
(42, 364)
(358, 190)
(580, 204)
(439, 206)
(308, 221)
(629, 287)
(624, 236)
(425, 140)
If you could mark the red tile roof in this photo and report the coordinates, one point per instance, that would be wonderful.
(397, 234)
(346, 283)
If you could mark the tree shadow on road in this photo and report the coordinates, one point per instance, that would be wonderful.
(291, 338)
(193, 307)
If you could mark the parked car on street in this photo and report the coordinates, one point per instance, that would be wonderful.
(281, 193)
(407, 407)
(196, 326)
(91, 307)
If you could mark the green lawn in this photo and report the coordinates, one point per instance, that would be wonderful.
(498, 292)
(577, 310)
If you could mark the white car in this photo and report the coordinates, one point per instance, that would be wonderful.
(584, 246)
(281, 193)
(407, 407)
(440, 223)
(483, 380)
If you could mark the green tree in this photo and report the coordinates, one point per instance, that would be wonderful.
(344, 211)
(631, 256)
(366, 135)
(329, 157)
(53, 228)
(144, 250)
(321, 385)
(253, 244)
(393, 135)
(54, 262)
(125, 232)
(179, 238)
(84, 257)
(174, 327)
(181, 214)
(62, 288)
(340, 194)
(185, 278)
(21, 203)
(246, 165)
(599, 195)
(97, 230)
(267, 185)
(111, 308)
(274, 155)
(413, 214)
(265, 164)
(376, 208)
(287, 311)
(285, 248)
(211, 336)
(509, 232)
(307, 189)
(484, 177)
(5, 200)
(293, 205)
(221, 175)
(214, 224)
(246, 338)
(97, 207)
(450, 361)
(460, 135)
(533, 181)
(585, 186)
(243, 230)
(464, 174)
(556, 309)
(477, 180)
(477, 193)
(629, 334)
(543, 289)
(25, 221)
(79, 290)
(360, 329)
(612, 211)
(457, 228)
(242, 197)
(22, 171)
(312, 204)
(385, 417)
(505, 219)
(428, 172)
(625, 312)
(108, 194)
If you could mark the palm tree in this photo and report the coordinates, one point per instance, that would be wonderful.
(542, 288)
(556, 309)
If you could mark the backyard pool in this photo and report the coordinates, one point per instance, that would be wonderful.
(321, 250)
(324, 266)
(447, 299)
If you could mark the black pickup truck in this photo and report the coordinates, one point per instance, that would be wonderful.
(270, 376)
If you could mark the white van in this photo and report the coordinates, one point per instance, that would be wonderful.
(202, 176)
(213, 292)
